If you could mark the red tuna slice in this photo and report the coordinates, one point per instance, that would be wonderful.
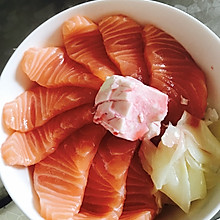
(60, 179)
(84, 44)
(31, 147)
(140, 202)
(124, 44)
(36, 106)
(51, 67)
(174, 72)
(105, 191)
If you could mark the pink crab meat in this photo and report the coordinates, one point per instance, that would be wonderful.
(129, 109)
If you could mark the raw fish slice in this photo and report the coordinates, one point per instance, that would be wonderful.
(140, 202)
(60, 179)
(31, 147)
(51, 67)
(84, 44)
(36, 106)
(129, 109)
(137, 215)
(124, 45)
(174, 72)
(105, 191)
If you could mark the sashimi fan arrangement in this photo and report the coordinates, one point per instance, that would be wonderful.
(113, 126)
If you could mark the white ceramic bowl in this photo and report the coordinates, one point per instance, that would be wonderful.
(203, 45)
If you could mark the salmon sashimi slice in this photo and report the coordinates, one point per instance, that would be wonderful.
(36, 106)
(105, 190)
(31, 147)
(51, 67)
(61, 178)
(137, 215)
(84, 44)
(140, 203)
(123, 41)
(174, 72)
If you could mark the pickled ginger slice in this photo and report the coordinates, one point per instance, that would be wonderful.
(61, 178)
(36, 106)
(106, 188)
(84, 44)
(186, 162)
(51, 67)
(173, 71)
(31, 147)
(123, 42)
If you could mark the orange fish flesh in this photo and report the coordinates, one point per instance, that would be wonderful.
(140, 203)
(83, 43)
(61, 178)
(31, 147)
(51, 67)
(174, 72)
(36, 106)
(105, 191)
(123, 41)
